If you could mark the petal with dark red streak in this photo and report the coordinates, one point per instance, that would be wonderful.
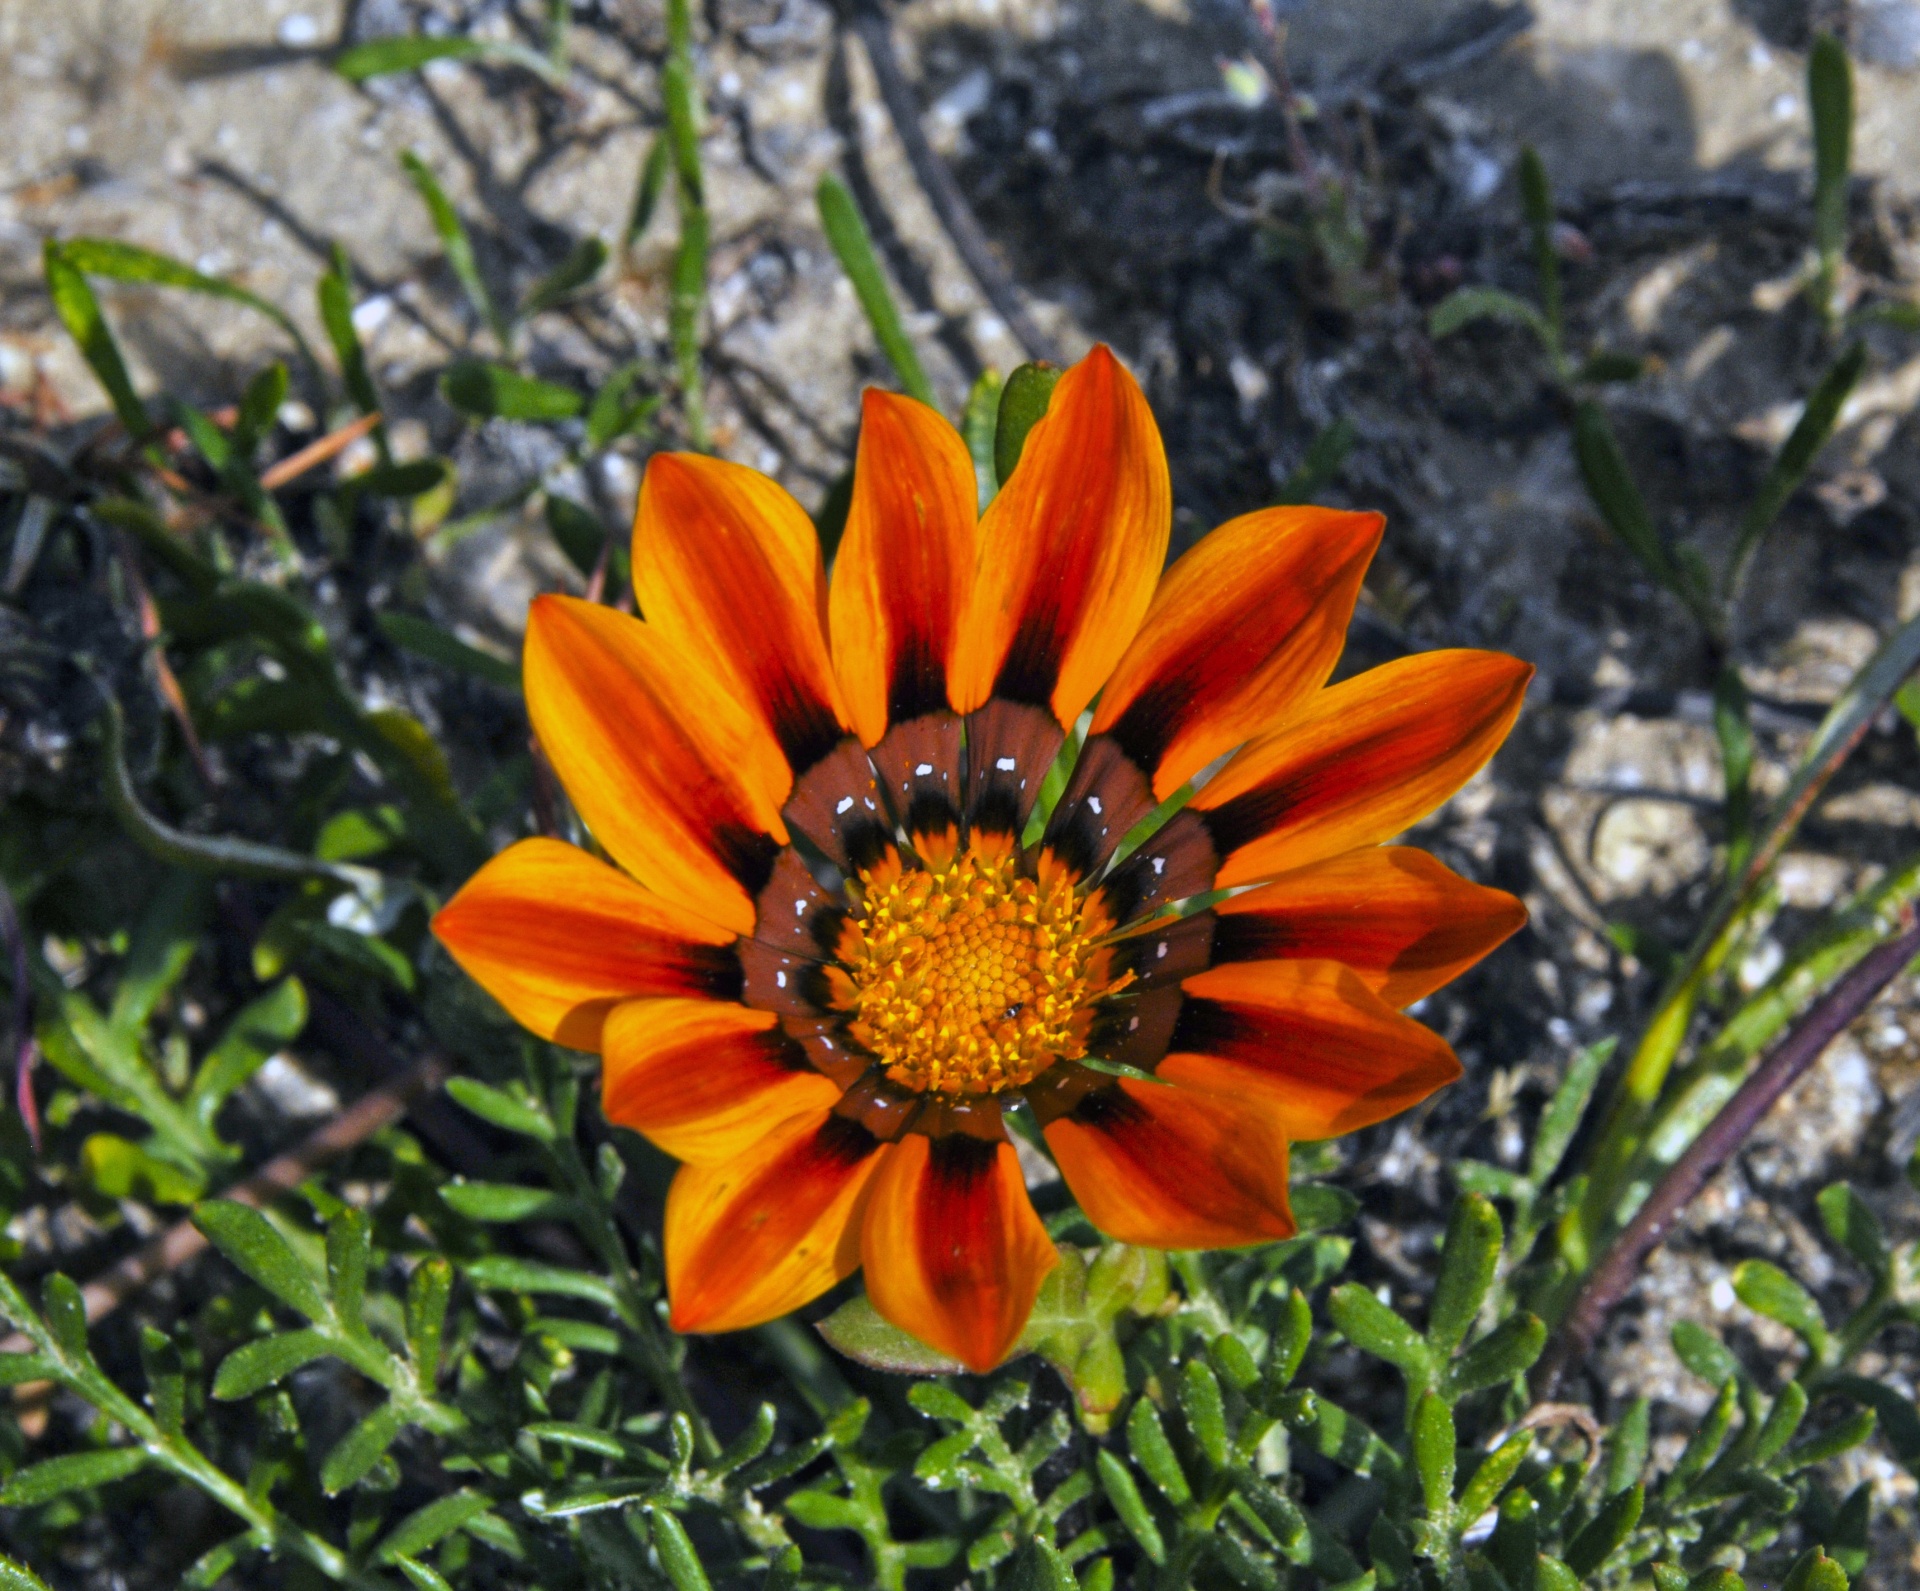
(1361, 762)
(1307, 1039)
(726, 562)
(559, 939)
(953, 1251)
(1175, 1167)
(1070, 549)
(758, 1235)
(705, 1080)
(670, 774)
(1393, 914)
(904, 564)
(1242, 630)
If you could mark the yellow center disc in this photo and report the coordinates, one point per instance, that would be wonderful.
(968, 980)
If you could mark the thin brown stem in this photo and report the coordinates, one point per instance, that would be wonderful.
(1610, 1280)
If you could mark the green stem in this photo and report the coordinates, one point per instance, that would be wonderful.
(689, 287)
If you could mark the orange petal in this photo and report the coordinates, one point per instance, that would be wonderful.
(1361, 762)
(1243, 628)
(728, 564)
(1309, 1040)
(672, 776)
(953, 1251)
(759, 1235)
(1394, 915)
(904, 564)
(1070, 549)
(705, 1079)
(559, 939)
(1175, 1168)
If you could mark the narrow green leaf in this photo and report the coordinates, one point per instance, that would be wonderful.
(1325, 457)
(428, 1290)
(647, 190)
(610, 416)
(1854, 1226)
(488, 391)
(54, 1477)
(1783, 1419)
(853, 246)
(579, 533)
(1703, 1353)
(360, 1449)
(1505, 1352)
(1627, 1445)
(1561, 1119)
(1205, 1412)
(349, 1249)
(502, 1109)
(16, 1576)
(1467, 1264)
(425, 639)
(1830, 1443)
(426, 1527)
(1514, 1547)
(1830, 97)
(977, 425)
(262, 1027)
(17, 1369)
(422, 1575)
(1815, 1571)
(1292, 1333)
(249, 1241)
(1536, 201)
(1703, 1445)
(863, 1334)
(1770, 1291)
(583, 263)
(1490, 1477)
(1612, 488)
(1795, 458)
(1147, 1442)
(500, 1201)
(79, 311)
(526, 1276)
(266, 1360)
(335, 299)
(1374, 1328)
(1465, 305)
(410, 52)
(1116, 1480)
(1023, 404)
(1602, 1535)
(1434, 1448)
(677, 1556)
(457, 245)
(128, 262)
(66, 1312)
(1731, 727)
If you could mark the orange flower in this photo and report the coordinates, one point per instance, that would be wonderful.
(823, 964)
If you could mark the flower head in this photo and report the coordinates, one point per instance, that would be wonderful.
(824, 965)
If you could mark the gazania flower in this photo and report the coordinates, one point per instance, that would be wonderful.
(822, 966)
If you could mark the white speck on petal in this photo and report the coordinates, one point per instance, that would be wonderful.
(846, 804)
(1094, 802)
(870, 806)
(1132, 1023)
(1161, 953)
(1159, 865)
(1007, 764)
(799, 908)
(780, 979)
(923, 770)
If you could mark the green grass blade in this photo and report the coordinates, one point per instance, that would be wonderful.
(410, 52)
(128, 262)
(1795, 458)
(1536, 199)
(647, 190)
(79, 311)
(1830, 94)
(458, 246)
(853, 245)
